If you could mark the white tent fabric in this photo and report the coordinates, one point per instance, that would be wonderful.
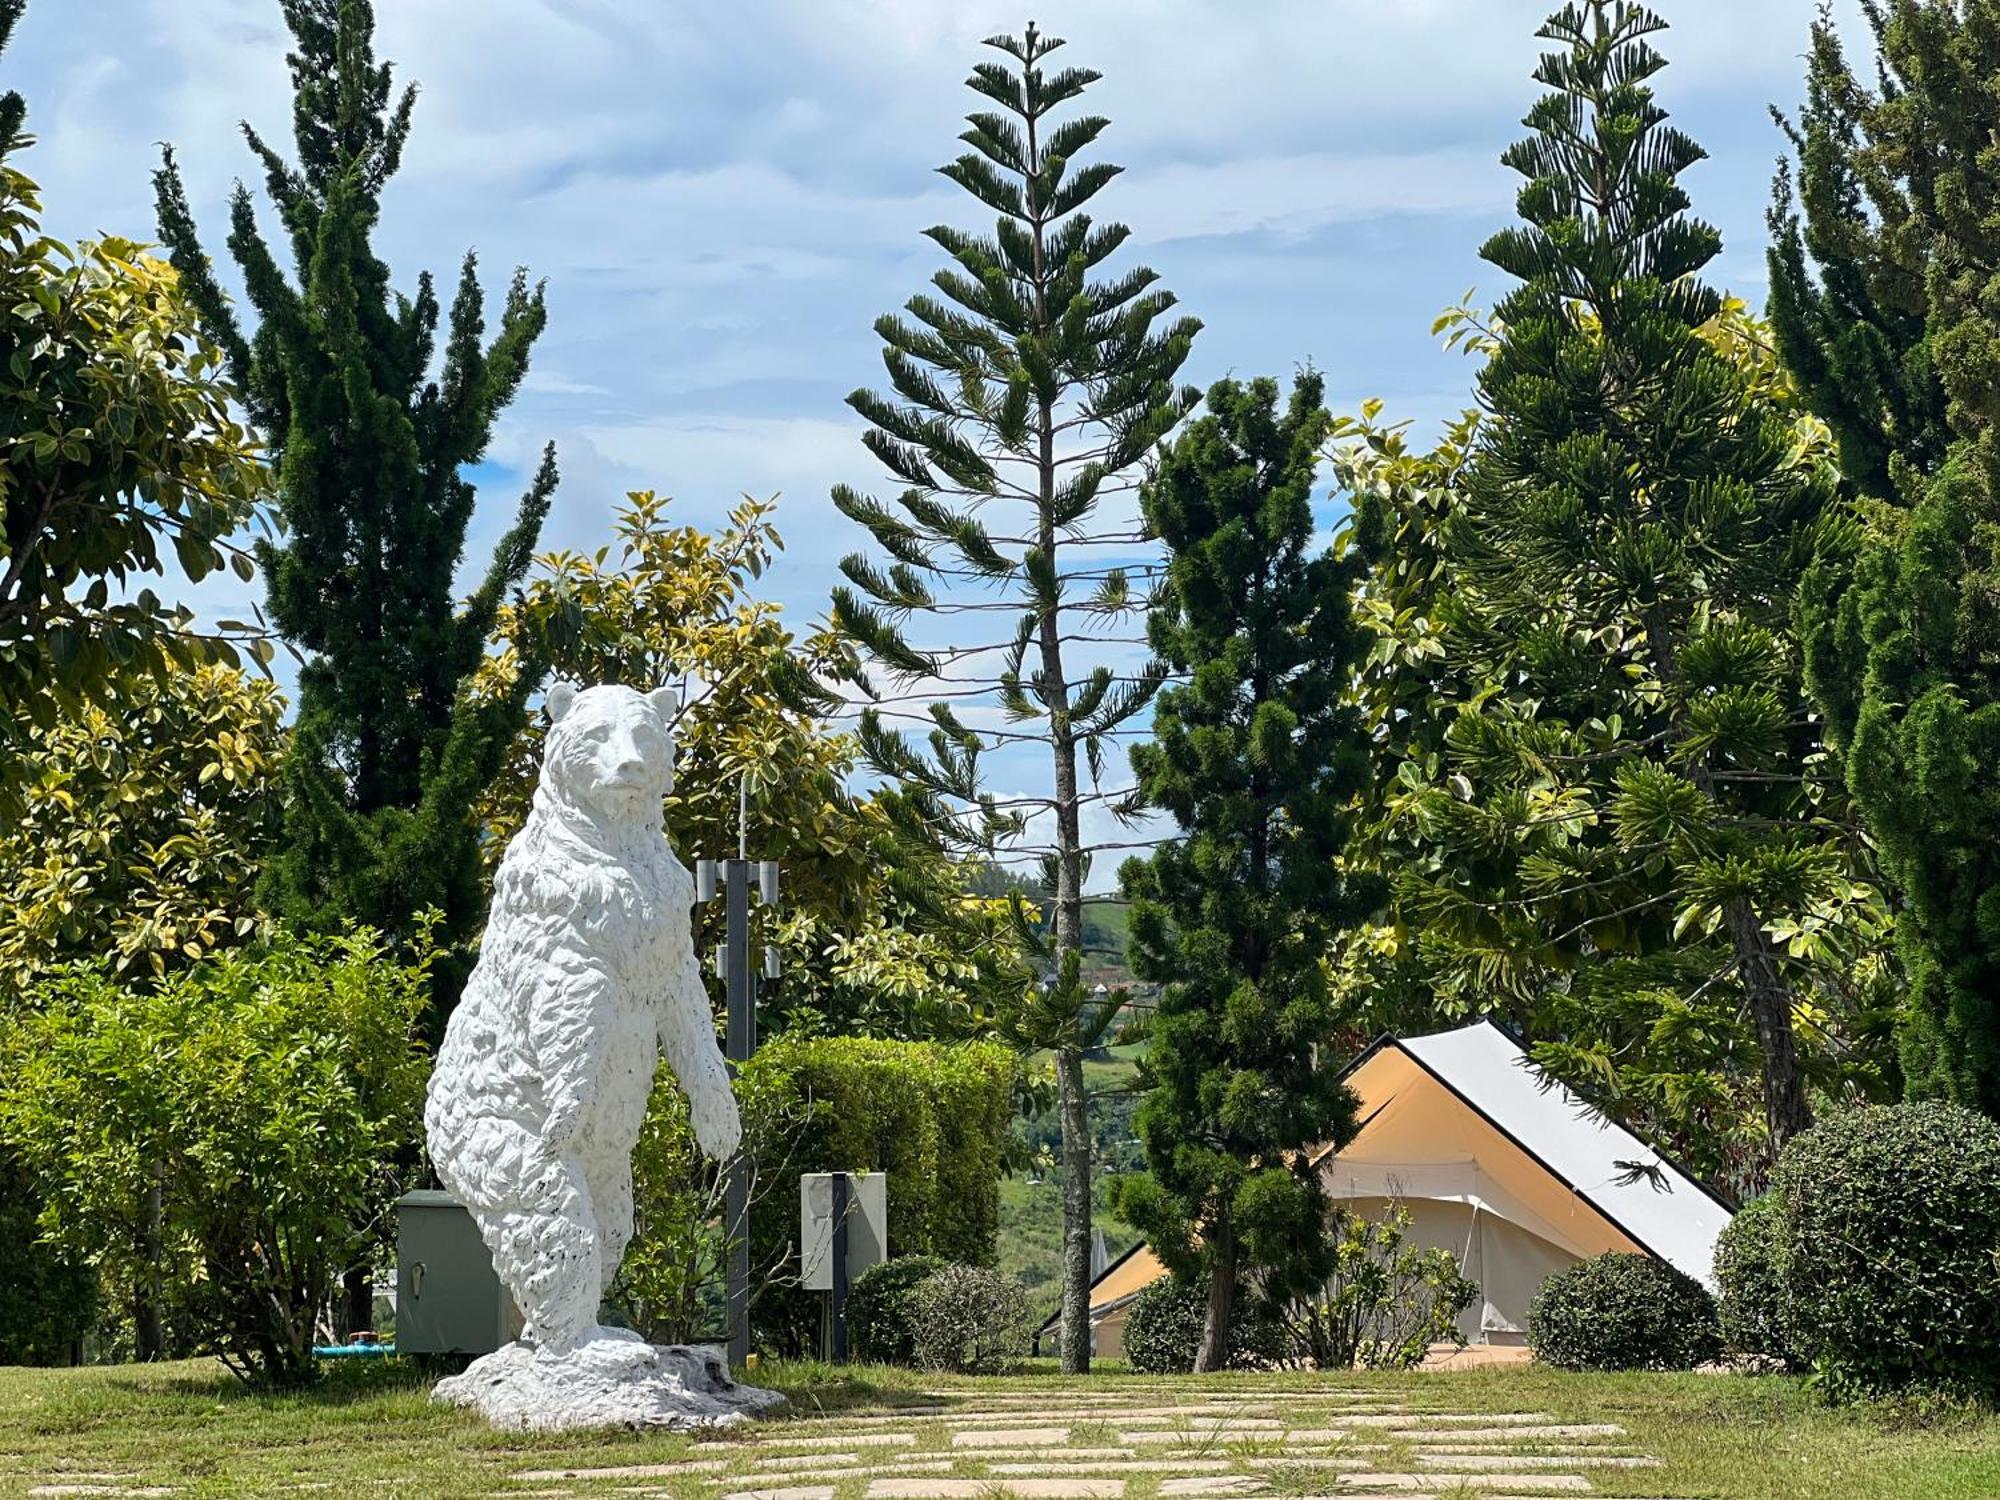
(1664, 1210)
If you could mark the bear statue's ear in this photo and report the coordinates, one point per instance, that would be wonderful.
(561, 696)
(666, 702)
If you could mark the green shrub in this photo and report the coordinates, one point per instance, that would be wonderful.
(1623, 1312)
(1749, 1268)
(931, 1116)
(878, 1309)
(1163, 1327)
(968, 1320)
(1385, 1305)
(1891, 1228)
(1163, 1330)
(671, 1282)
(48, 1296)
(260, 1100)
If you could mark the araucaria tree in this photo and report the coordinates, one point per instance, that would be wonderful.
(1635, 809)
(1258, 757)
(369, 435)
(1900, 309)
(1027, 393)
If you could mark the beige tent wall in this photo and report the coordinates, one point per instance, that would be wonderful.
(1504, 1260)
(1469, 1189)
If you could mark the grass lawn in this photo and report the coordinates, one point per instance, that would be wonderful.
(371, 1430)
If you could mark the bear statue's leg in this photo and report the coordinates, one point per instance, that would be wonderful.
(536, 1216)
(609, 1178)
(552, 1227)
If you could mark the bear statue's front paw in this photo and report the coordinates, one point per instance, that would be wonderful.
(718, 1127)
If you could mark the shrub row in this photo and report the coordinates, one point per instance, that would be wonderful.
(922, 1311)
(1875, 1258)
(1874, 1261)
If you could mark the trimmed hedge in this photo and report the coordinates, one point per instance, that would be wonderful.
(878, 1309)
(1891, 1228)
(932, 1115)
(1623, 1312)
(1750, 1269)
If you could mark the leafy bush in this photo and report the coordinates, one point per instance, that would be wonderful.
(1163, 1330)
(243, 1117)
(1163, 1327)
(1623, 1312)
(878, 1309)
(48, 1297)
(1891, 1218)
(1385, 1305)
(932, 1116)
(968, 1320)
(670, 1284)
(1749, 1267)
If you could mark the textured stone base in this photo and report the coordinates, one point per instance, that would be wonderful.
(611, 1379)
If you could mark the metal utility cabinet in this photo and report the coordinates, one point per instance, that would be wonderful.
(448, 1298)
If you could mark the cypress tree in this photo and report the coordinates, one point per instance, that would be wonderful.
(1633, 808)
(1027, 392)
(1848, 298)
(1258, 757)
(369, 430)
(1903, 636)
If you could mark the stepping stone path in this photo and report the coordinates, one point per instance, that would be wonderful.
(1134, 1441)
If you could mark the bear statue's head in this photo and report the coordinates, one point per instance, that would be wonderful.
(610, 750)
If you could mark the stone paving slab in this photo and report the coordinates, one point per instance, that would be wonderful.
(856, 1471)
(984, 1489)
(792, 1492)
(1524, 1432)
(1419, 1421)
(1198, 1428)
(1127, 1466)
(1012, 1437)
(1553, 1484)
(614, 1471)
(1537, 1461)
(1051, 1455)
(1221, 1484)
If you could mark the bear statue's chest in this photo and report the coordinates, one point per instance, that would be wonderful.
(646, 915)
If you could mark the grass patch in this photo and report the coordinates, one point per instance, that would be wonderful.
(372, 1429)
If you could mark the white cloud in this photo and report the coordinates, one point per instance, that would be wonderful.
(725, 197)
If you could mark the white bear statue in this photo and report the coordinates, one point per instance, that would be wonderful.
(586, 974)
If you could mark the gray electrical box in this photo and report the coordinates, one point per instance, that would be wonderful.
(867, 1226)
(448, 1297)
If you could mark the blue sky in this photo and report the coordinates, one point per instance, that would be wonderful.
(724, 197)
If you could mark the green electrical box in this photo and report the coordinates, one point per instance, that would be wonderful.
(449, 1300)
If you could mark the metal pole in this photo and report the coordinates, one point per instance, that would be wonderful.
(840, 1268)
(740, 1042)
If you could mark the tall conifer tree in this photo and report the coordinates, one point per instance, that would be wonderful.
(1903, 640)
(370, 432)
(1634, 807)
(1027, 393)
(1258, 758)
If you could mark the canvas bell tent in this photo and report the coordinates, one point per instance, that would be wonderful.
(1498, 1164)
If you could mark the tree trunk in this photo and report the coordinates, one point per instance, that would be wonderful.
(1786, 1111)
(1213, 1353)
(1073, 1106)
(357, 1298)
(1785, 1108)
(148, 1336)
